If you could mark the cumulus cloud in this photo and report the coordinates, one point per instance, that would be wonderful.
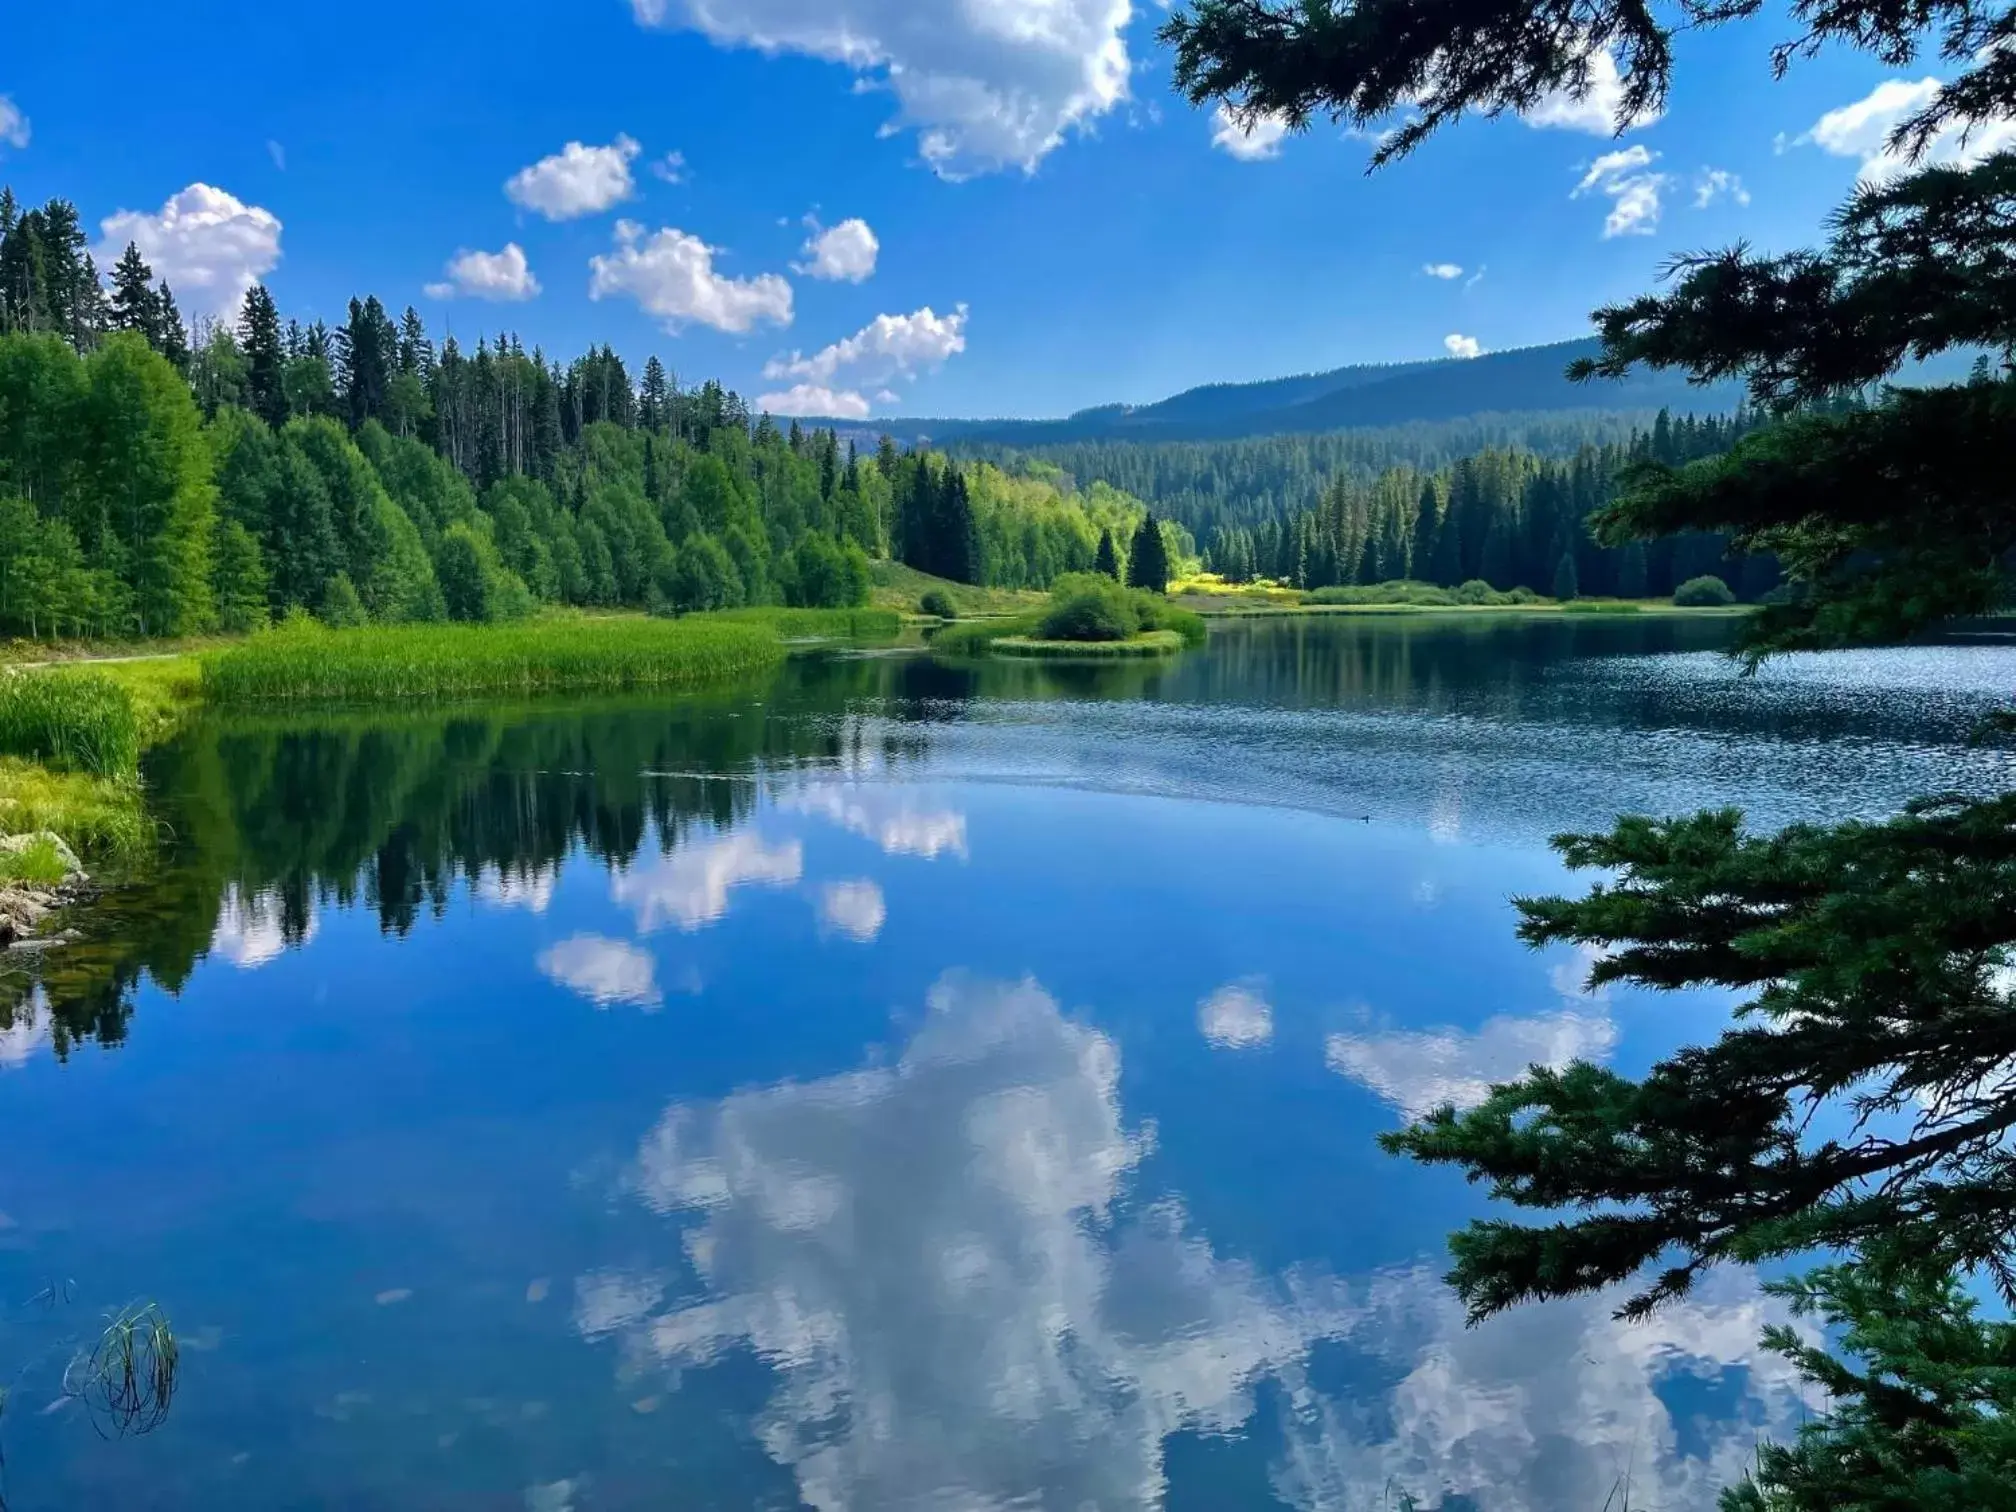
(1236, 1017)
(977, 1324)
(671, 276)
(1419, 1072)
(999, 1319)
(1442, 270)
(1626, 178)
(1598, 108)
(1861, 130)
(671, 168)
(209, 245)
(890, 346)
(898, 825)
(254, 931)
(985, 86)
(807, 400)
(1250, 143)
(575, 181)
(14, 130)
(689, 889)
(1457, 345)
(26, 1032)
(845, 253)
(502, 277)
(1711, 184)
(854, 909)
(606, 972)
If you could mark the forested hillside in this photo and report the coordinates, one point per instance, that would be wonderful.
(1506, 517)
(155, 481)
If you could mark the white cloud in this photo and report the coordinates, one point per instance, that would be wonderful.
(1442, 270)
(1420, 1072)
(209, 245)
(23, 1038)
(895, 824)
(502, 277)
(1712, 184)
(890, 346)
(671, 275)
(986, 84)
(604, 971)
(252, 932)
(14, 128)
(1626, 178)
(1003, 1317)
(981, 1323)
(531, 890)
(278, 153)
(1236, 1017)
(689, 889)
(1597, 111)
(576, 181)
(1861, 130)
(671, 168)
(854, 909)
(845, 253)
(1457, 345)
(1249, 144)
(815, 399)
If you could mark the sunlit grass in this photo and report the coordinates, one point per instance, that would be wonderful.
(307, 661)
(102, 818)
(70, 721)
(820, 624)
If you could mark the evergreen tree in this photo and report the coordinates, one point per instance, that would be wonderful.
(265, 356)
(653, 397)
(1148, 558)
(1567, 584)
(1875, 951)
(238, 578)
(1107, 561)
(135, 305)
(171, 335)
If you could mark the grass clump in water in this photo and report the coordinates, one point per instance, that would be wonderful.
(127, 1379)
(70, 722)
(300, 661)
(1149, 643)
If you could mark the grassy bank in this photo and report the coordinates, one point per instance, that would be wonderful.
(306, 661)
(820, 624)
(1149, 644)
(901, 589)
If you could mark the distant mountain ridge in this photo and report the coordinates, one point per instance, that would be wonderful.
(1525, 380)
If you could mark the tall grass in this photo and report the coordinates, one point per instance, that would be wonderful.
(102, 817)
(1150, 643)
(70, 722)
(307, 661)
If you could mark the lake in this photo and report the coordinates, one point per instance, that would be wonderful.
(896, 1085)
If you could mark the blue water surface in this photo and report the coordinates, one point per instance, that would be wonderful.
(896, 1085)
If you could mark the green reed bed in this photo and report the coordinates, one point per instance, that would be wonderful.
(69, 721)
(1150, 643)
(302, 662)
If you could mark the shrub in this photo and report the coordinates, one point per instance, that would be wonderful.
(1090, 607)
(1476, 592)
(70, 721)
(939, 603)
(1399, 592)
(1706, 592)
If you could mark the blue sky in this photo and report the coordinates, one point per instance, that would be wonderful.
(1051, 226)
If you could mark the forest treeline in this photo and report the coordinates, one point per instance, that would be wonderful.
(1507, 517)
(160, 481)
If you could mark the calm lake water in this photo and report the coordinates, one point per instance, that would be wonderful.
(895, 1086)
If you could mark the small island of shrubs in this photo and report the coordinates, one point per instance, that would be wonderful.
(1089, 614)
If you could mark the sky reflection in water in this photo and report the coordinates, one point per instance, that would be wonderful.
(887, 1089)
